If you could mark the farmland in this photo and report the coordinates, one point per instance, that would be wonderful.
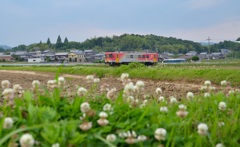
(134, 105)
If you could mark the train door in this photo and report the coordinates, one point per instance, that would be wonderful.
(154, 58)
(106, 58)
(117, 58)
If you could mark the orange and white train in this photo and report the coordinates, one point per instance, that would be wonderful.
(117, 58)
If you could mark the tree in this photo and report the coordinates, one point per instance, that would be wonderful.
(195, 58)
(1, 49)
(48, 41)
(59, 43)
(65, 40)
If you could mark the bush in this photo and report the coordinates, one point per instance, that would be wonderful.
(195, 58)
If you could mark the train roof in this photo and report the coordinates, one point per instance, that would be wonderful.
(131, 52)
(175, 59)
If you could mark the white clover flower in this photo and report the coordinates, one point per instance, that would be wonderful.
(123, 135)
(202, 129)
(96, 80)
(190, 95)
(111, 138)
(222, 106)
(131, 140)
(158, 91)
(135, 88)
(207, 83)
(161, 99)
(85, 107)
(61, 81)
(134, 134)
(102, 121)
(124, 76)
(212, 88)
(111, 93)
(173, 100)
(8, 93)
(56, 145)
(231, 92)
(160, 134)
(26, 140)
(81, 91)
(107, 107)
(129, 88)
(224, 83)
(221, 124)
(131, 137)
(52, 84)
(140, 84)
(130, 99)
(90, 77)
(182, 113)
(141, 138)
(206, 94)
(103, 115)
(5, 84)
(182, 107)
(237, 90)
(104, 87)
(85, 126)
(145, 102)
(164, 109)
(8, 123)
(35, 83)
(203, 88)
(17, 88)
(219, 145)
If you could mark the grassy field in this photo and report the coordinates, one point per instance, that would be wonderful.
(196, 72)
(48, 116)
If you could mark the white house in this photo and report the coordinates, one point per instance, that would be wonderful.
(191, 53)
(35, 60)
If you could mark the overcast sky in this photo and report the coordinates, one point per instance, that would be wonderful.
(29, 21)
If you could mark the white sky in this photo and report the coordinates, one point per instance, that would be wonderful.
(29, 21)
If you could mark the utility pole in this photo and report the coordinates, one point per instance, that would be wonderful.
(208, 39)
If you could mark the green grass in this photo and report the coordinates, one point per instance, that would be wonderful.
(181, 72)
(51, 118)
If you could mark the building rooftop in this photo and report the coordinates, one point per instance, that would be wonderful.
(61, 54)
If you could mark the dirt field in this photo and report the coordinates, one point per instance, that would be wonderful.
(25, 78)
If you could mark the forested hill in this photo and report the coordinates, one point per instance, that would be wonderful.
(127, 42)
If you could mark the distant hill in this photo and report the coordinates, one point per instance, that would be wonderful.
(125, 42)
(131, 42)
(5, 47)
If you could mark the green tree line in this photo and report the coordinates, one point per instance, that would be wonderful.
(129, 42)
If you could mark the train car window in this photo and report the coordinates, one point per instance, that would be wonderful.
(117, 55)
(110, 55)
(139, 56)
(147, 56)
(131, 56)
(143, 56)
(154, 56)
